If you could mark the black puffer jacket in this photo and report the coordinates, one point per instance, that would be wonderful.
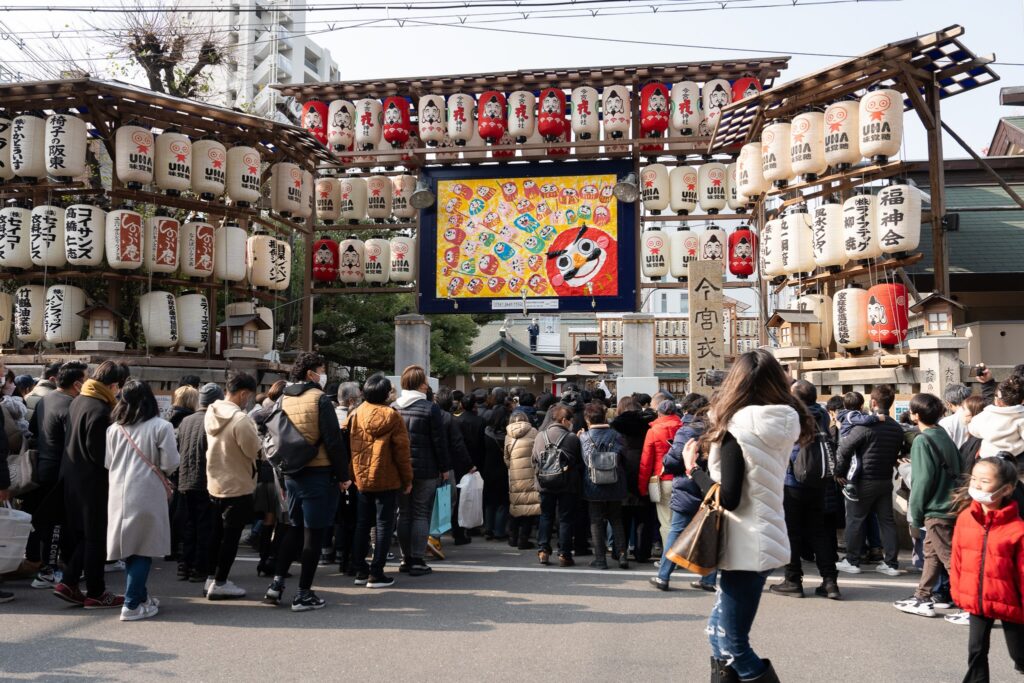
(471, 426)
(49, 424)
(878, 445)
(458, 456)
(192, 448)
(633, 426)
(428, 437)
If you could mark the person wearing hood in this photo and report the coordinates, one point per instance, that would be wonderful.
(428, 440)
(524, 500)
(1001, 426)
(638, 515)
(656, 444)
(46, 385)
(192, 487)
(804, 506)
(15, 411)
(86, 487)
(755, 421)
(233, 446)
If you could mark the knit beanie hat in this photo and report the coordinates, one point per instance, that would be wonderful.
(209, 393)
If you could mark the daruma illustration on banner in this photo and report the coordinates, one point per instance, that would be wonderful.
(376, 260)
(403, 259)
(795, 242)
(229, 243)
(397, 123)
(522, 115)
(196, 250)
(325, 260)
(84, 227)
(29, 307)
(850, 318)
(314, 119)
(654, 188)
(616, 111)
(687, 114)
(65, 146)
(124, 239)
(378, 197)
(683, 195)
(134, 156)
(328, 200)
(585, 120)
(401, 194)
(431, 117)
(771, 249)
(460, 118)
(194, 325)
(579, 261)
(827, 236)
(742, 247)
(654, 110)
(807, 145)
(351, 253)
(173, 170)
(860, 234)
(776, 161)
(716, 94)
(341, 122)
(243, 175)
(159, 317)
(888, 314)
(286, 188)
(6, 172)
(369, 118)
(160, 254)
(898, 218)
(683, 248)
(881, 124)
(209, 171)
(654, 253)
(15, 229)
(46, 236)
(353, 199)
(821, 306)
(842, 135)
(711, 187)
(61, 322)
(750, 171)
(270, 262)
(713, 244)
(28, 147)
(491, 121)
(551, 115)
(745, 87)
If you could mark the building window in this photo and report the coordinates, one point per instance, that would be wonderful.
(101, 327)
(236, 337)
(938, 321)
(801, 336)
(250, 338)
(786, 336)
(312, 62)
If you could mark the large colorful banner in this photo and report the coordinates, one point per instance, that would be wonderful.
(501, 239)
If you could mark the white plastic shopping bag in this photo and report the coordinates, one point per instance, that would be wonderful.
(15, 526)
(471, 501)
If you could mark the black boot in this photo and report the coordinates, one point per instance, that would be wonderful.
(722, 673)
(767, 676)
(829, 589)
(790, 589)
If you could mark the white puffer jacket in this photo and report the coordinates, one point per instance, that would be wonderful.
(1000, 428)
(754, 534)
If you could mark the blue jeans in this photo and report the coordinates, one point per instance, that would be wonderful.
(496, 519)
(565, 503)
(312, 498)
(739, 595)
(680, 521)
(374, 507)
(136, 571)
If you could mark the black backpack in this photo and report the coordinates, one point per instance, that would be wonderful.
(283, 444)
(602, 466)
(815, 463)
(553, 467)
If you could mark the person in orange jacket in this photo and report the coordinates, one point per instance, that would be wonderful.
(656, 444)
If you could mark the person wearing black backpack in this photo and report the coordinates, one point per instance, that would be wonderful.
(557, 460)
(604, 484)
(804, 504)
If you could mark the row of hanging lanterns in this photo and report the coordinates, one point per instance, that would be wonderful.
(375, 261)
(713, 186)
(355, 199)
(34, 147)
(671, 253)
(879, 314)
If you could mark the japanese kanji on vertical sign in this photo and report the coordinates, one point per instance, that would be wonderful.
(707, 324)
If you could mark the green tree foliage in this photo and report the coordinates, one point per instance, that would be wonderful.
(450, 339)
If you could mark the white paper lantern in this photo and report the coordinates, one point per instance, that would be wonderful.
(898, 218)
(209, 172)
(270, 262)
(194, 327)
(711, 187)
(795, 241)
(124, 239)
(29, 306)
(61, 322)
(328, 200)
(616, 112)
(162, 238)
(850, 318)
(733, 199)
(173, 170)
(881, 124)
(821, 306)
(807, 145)
(265, 338)
(28, 147)
(159, 317)
(354, 195)
(65, 146)
(750, 171)
(286, 188)
(827, 236)
(369, 124)
(403, 187)
(351, 253)
(197, 249)
(46, 237)
(377, 260)
(860, 233)
(683, 182)
(403, 259)
(134, 152)
(842, 134)
(229, 246)
(522, 115)
(654, 253)
(84, 229)
(684, 247)
(687, 114)
(585, 120)
(430, 113)
(713, 244)
(654, 188)
(771, 249)
(775, 153)
(243, 175)
(716, 94)
(306, 197)
(6, 172)
(460, 118)
(379, 190)
(6, 318)
(15, 230)
(341, 121)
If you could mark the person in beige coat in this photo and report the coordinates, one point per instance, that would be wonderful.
(524, 500)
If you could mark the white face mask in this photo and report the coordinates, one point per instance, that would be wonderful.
(981, 496)
(322, 380)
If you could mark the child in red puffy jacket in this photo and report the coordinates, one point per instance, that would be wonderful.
(987, 564)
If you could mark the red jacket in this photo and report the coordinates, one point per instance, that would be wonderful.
(987, 567)
(656, 444)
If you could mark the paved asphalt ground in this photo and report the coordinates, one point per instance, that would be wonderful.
(487, 614)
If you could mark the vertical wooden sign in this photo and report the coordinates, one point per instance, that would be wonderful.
(707, 325)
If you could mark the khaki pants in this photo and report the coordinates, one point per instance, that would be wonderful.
(938, 546)
(665, 511)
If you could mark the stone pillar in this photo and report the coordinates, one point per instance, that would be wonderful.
(412, 342)
(637, 355)
(939, 360)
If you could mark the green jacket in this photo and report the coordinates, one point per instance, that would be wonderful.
(935, 473)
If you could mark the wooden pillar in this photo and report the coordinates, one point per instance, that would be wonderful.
(937, 176)
(306, 313)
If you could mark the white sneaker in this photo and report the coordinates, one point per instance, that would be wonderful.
(847, 568)
(225, 591)
(145, 610)
(922, 608)
(960, 618)
(207, 586)
(114, 567)
(883, 568)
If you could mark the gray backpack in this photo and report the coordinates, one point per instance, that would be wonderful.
(602, 466)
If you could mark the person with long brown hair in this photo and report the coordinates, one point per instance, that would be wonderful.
(754, 422)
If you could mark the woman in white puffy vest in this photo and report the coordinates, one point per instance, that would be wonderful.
(754, 423)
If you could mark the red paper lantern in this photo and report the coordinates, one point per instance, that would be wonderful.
(654, 110)
(887, 314)
(397, 126)
(314, 119)
(325, 260)
(742, 248)
(551, 121)
(491, 121)
(743, 88)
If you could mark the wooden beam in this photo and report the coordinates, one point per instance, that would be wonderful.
(984, 165)
(937, 176)
(924, 112)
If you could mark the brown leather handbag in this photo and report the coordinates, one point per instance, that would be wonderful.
(696, 549)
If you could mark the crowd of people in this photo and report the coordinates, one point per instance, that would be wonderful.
(324, 474)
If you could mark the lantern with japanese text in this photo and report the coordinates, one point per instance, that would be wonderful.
(173, 170)
(683, 189)
(351, 252)
(850, 318)
(771, 249)
(376, 260)
(15, 227)
(742, 247)
(586, 123)
(286, 188)
(314, 119)
(711, 187)
(881, 124)
(307, 195)
(827, 236)
(888, 314)
(460, 118)
(161, 247)
(229, 243)
(750, 171)
(209, 171)
(28, 147)
(654, 254)
(353, 199)
(134, 156)
(341, 121)
(65, 146)
(491, 119)
(159, 317)
(84, 227)
(775, 154)
(860, 234)
(431, 117)
(898, 219)
(328, 200)
(196, 249)
(46, 236)
(551, 114)
(654, 188)
(61, 322)
(713, 244)
(795, 242)
(733, 199)
(194, 323)
(403, 258)
(243, 175)
(6, 173)
(807, 145)
(654, 110)
(325, 260)
(397, 123)
(522, 115)
(6, 318)
(745, 87)
(842, 135)
(270, 262)
(821, 306)
(29, 307)
(687, 114)
(369, 119)
(124, 238)
(716, 94)
(616, 111)
(683, 248)
(403, 187)
(379, 190)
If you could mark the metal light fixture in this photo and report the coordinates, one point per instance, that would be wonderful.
(422, 197)
(626, 190)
